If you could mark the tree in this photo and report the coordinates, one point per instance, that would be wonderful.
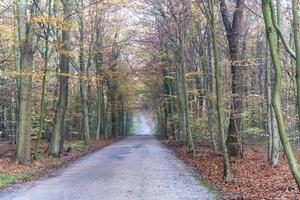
(183, 106)
(272, 130)
(47, 31)
(274, 140)
(57, 138)
(218, 79)
(276, 103)
(296, 31)
(83, 72)
(98, 59)
(233, 30)
(26, 63)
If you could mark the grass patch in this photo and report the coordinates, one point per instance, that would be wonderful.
(7, 179)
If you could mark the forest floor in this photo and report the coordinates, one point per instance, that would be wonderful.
(11, 172)
(253, 177)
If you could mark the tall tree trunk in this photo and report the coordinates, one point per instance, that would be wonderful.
(233, 30)
(296, 31)
(218, 78)
(100, 94)
(274, 140)
(207, 68)
(26, 64)
(46, 60)
(181, 136)
(102, 114)
(183, 112)
(113, 109)
(17, 58)
(83, 83)
(271, 35)
(272, 129)
(57, 137)
(171, 108)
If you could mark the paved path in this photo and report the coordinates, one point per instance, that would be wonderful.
(135, 168)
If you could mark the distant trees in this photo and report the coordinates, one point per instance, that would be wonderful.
(249, 104)
(174, 20)
(57, 74)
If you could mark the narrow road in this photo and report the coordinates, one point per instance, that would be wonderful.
(135, 168)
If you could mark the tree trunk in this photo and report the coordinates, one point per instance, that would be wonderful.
(83, 83)
(183, 107)
(100, 94)
(271, 35)
(233, 30)
(272, 129)
(296, 31)
(26, 64)
(218, 79)
(17, 58)
(46, 60)
(207, 68)
(57, 138)
(100, 119)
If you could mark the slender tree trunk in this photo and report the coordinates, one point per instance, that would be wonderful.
(114, 114)
(100, 94)
(296, 31)
(271, 35)
(218, 79)
(103, 105)
(100, 120)
(13, 117)
(274, 140)
(171, 109)
(83, 83)
(181, 119)
(17, 58)
(207, 68)
(184, 118)
(46, 60)
(113, 89)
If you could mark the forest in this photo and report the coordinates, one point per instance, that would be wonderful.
(219, 80)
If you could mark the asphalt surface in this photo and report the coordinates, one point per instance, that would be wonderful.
(136, 168)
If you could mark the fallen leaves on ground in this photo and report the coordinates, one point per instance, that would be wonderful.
(253, 177)
(11, 172)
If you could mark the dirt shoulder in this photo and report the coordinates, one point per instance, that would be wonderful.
(12, 173)
(254, 178)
